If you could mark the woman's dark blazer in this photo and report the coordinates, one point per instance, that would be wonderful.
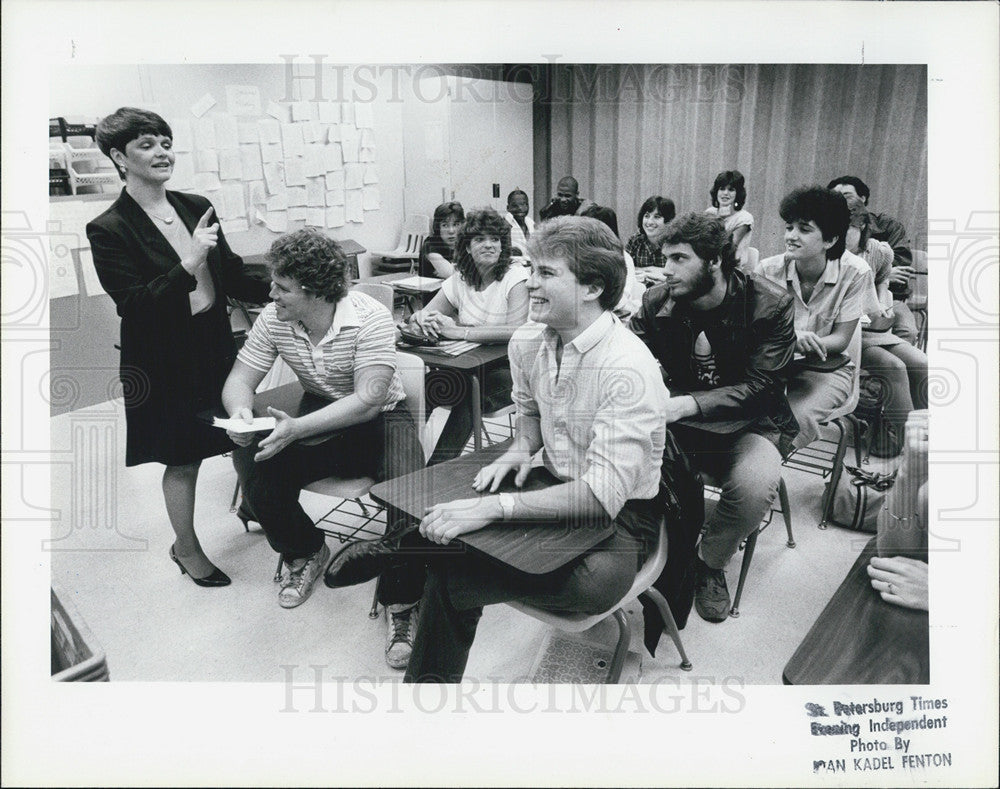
(160, 374)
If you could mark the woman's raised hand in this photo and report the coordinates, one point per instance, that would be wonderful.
(203, 239)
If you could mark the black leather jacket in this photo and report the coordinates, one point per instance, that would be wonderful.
(753, 346)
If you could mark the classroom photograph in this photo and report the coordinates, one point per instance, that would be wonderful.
(551, 373)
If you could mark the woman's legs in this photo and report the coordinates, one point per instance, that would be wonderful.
(916, 369)
(890, 371)
(178, 493)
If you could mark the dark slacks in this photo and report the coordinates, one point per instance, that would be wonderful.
(460, 584)
(383, 448)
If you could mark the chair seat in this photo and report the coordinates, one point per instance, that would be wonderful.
(341, 487)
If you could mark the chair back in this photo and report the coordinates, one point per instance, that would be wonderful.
(383, 294)
(411, 373)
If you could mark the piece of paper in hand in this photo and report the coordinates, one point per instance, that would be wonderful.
(236, 425)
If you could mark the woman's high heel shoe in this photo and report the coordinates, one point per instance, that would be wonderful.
(245, 515)
(215, 578)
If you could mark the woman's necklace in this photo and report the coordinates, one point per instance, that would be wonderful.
(167, 220)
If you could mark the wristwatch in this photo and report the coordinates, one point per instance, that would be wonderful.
(507, 506)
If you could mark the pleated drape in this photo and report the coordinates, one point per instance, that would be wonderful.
(630, 131)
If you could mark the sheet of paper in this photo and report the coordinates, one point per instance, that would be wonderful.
(226, 133)
(67, 225)
(230, 167)
(276, 221)
(258, 194)
(270, 152)
(203, 105)
(248, 132)
(236, 425)
(297, 196)
(335, 197)
(367, 138)
(243, 100)
(312, 162)
(204, 134)
(336, 180)
(316, 193)
(315, 217)
(354, 207)
(231, 226)
(349, 142)
(291, 140)
(297, 214)
(183, 139)
(280, 112)
(274, 177)
(250, 162)
(347, 113)
(231, 204)
(183, 176)
(269, 130)
(335, 216)
(353, 176)
(206, 161)
(90, 279)
(333, 158)
(363, 116)
(206, 182)
(295, 171)
(333, 133)
(311, 131)
(301, 111)
(370, 198)
(278, 202)
(371, 174)
(329, 112)
(62, 271)
(367, 155)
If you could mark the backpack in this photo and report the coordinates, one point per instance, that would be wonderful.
(859, 497)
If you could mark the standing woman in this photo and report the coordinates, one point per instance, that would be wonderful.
(438, 252)
(163, 260)
(484, 301)
(645, 252)
(729, 195)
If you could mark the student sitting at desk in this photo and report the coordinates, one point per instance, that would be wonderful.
(484, 301)
(438, 251)
(521, 225)
(589, 394)
(725, 340)
(831, 289)
(340, 345)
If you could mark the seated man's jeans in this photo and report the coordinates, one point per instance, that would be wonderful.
(747, 466)
(383, 448)
(814, 395)
(460, 584)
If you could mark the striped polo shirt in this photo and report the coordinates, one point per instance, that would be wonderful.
(361, 335)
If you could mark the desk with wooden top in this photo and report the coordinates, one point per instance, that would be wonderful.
(859, 639)
(473, 363)
(533, 547)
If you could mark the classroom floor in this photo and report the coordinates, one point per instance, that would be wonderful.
(109, 556)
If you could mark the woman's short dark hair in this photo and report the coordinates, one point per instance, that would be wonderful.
(827, 208)
(852, 180)
(591, 251)
(482, 222)
(312, 259)
(444, 212)
(125, 124)
(734, 180)
(603, 214)
(706, 235)
(663, 206)
(860, 218)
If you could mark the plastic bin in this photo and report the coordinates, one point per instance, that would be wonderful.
(77, 655)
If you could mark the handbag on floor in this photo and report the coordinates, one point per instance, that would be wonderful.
(859, 497)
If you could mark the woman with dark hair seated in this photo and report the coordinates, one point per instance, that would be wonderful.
(631, 298)
(729, 195)
(484, 301)
(646, 255)
(164, 261)
(438, 251)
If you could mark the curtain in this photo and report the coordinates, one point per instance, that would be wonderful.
(627, 132)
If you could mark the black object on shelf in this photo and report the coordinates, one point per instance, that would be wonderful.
(58, 182)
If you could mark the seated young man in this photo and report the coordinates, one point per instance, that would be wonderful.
(340, 344)
(831, 290)
(724, 339)
(567, 201)
(589, 394)
(890, 230)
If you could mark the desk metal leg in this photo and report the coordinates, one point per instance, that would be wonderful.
(477, 412)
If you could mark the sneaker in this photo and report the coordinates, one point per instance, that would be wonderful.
(711, 596)
(402, 620)
(300, 576)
